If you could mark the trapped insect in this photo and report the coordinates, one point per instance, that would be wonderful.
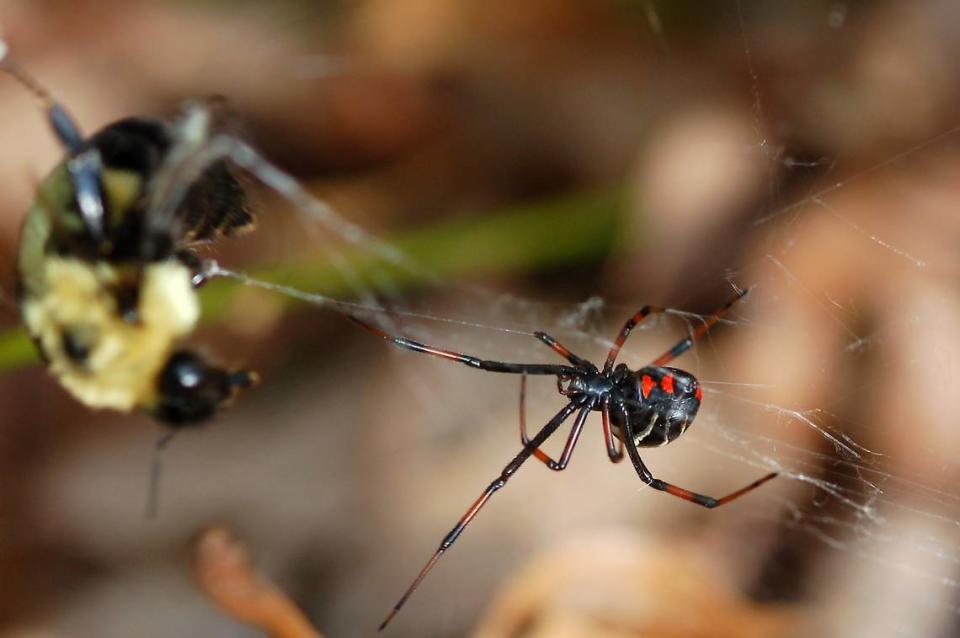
(649, 407)
(107, 274)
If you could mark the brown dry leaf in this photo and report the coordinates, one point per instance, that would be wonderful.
(615, 584)
(223, 570)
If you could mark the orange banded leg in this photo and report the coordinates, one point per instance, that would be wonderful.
(540, 455)
(466, 359)
(563, 351)
(628, 327)
(545, 432)
(700, 499)
(557, 466)
(708, 501)
(614, 451)
(684, 344)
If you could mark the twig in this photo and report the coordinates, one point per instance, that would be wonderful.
(223, 570)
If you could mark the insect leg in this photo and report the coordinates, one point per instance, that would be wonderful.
(86, 170)
(59, 119)
(84, 165)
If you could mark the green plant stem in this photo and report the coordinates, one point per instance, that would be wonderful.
(572, 230)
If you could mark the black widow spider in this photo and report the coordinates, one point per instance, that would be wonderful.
(653, 405)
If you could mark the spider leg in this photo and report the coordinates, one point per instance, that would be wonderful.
(545, 432)
(681, 347)
(684, 344)
(628, 327)
(563, 351)
(614, 451)
(524, 439)
(466, 359)
(700, 499)
(546, 459)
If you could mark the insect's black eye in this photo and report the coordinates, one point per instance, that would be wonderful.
(190, 390)
(75, 347)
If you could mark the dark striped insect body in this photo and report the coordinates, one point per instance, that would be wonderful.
(107, 272)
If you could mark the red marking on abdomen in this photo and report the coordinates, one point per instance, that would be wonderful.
(647, 385)
(699, 394)
(667, 383)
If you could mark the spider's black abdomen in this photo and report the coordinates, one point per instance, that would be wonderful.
(660, 404)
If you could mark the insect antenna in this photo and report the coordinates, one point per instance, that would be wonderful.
(156, 469)
(60, 121)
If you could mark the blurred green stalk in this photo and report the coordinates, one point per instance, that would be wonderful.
(571, 230)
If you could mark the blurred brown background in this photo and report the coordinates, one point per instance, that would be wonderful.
(807, 148)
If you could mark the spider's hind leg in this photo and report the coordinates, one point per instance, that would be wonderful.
(700, 499)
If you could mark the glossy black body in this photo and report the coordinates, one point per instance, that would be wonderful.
(191, 390)
(662, 401)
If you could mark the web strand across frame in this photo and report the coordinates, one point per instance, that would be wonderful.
(840, 371)
(866, 488)
(852, 493)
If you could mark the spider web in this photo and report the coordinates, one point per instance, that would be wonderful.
(848, 491)
(868, 475)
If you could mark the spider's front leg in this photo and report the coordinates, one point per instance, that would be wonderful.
(460, 357)
(564, 352)
(682, 346)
